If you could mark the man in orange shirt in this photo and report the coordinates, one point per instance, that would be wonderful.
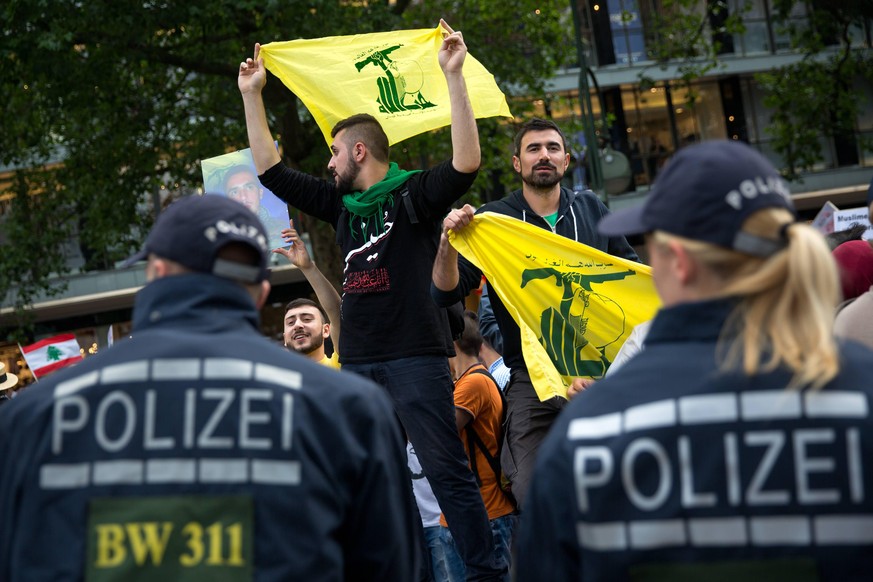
(479, 416)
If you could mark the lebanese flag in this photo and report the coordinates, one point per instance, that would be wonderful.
(52, 353)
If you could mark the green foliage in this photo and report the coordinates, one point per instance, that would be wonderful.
(815, 98)
(108, 103)
(33, 217)
(685, 34)
(812, 99)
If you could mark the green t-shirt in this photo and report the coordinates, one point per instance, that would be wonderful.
(552, 219)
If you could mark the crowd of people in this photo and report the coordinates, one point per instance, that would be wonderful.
(396, 436)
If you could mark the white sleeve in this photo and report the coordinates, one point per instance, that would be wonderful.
(631, 347)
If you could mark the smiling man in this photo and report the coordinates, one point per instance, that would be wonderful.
(541, 159)
(306, 328)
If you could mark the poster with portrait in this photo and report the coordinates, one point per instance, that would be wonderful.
(234, 175)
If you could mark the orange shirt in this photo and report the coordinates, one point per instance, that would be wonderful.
(479, 396)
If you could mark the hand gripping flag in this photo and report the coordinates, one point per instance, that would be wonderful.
(394, 76)
(575, 305)
(53, 353)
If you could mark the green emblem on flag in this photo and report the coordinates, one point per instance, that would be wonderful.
(563, 331)
(400, 88)
(53, 354)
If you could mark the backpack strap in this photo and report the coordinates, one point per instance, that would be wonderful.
(407, 203)
(474, 441)
(434, 227)
(485, 372)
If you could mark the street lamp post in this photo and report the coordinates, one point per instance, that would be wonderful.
(593, 151)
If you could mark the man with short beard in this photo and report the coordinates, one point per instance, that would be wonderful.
(306, 328)
(308, 323)
(541, 158)
(387, 224)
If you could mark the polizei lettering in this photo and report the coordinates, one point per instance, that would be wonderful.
(174, 421)
(210, 418)
(652, 473)
(713, 461)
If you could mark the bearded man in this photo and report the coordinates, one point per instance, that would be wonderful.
(541, 159)
(387, 224)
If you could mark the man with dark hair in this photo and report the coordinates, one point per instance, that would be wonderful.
(198, 449)
(241, 184)
(363, 127)
(541, 157)
(304, 302)
(387, 225)
(305, 329)
(308, 323)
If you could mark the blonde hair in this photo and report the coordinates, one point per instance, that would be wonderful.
(786, 301)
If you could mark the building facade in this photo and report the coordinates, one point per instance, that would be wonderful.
(651, 112)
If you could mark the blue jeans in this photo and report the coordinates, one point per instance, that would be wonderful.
(502, 529)
(446, 564)
(421, 389)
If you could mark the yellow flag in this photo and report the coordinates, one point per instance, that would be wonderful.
(393, 76)
(575, 305)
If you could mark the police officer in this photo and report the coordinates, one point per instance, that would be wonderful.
(738, 444)
(198, 449)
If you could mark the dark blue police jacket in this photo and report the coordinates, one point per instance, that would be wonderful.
(198, 449)
(675, 470)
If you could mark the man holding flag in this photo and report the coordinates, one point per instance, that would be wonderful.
(541, 158)
(387, 224)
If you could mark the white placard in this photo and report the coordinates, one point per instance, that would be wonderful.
(844, 219)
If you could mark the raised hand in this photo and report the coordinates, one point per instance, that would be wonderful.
(252, 73)
(297, 255)
(458, 218)
(453, 50)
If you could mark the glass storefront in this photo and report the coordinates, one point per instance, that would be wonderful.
(647, 125)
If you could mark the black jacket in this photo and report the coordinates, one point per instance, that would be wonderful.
(675, 467)
(199, 429)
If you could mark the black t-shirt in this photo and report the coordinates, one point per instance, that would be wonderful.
(387, 312)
